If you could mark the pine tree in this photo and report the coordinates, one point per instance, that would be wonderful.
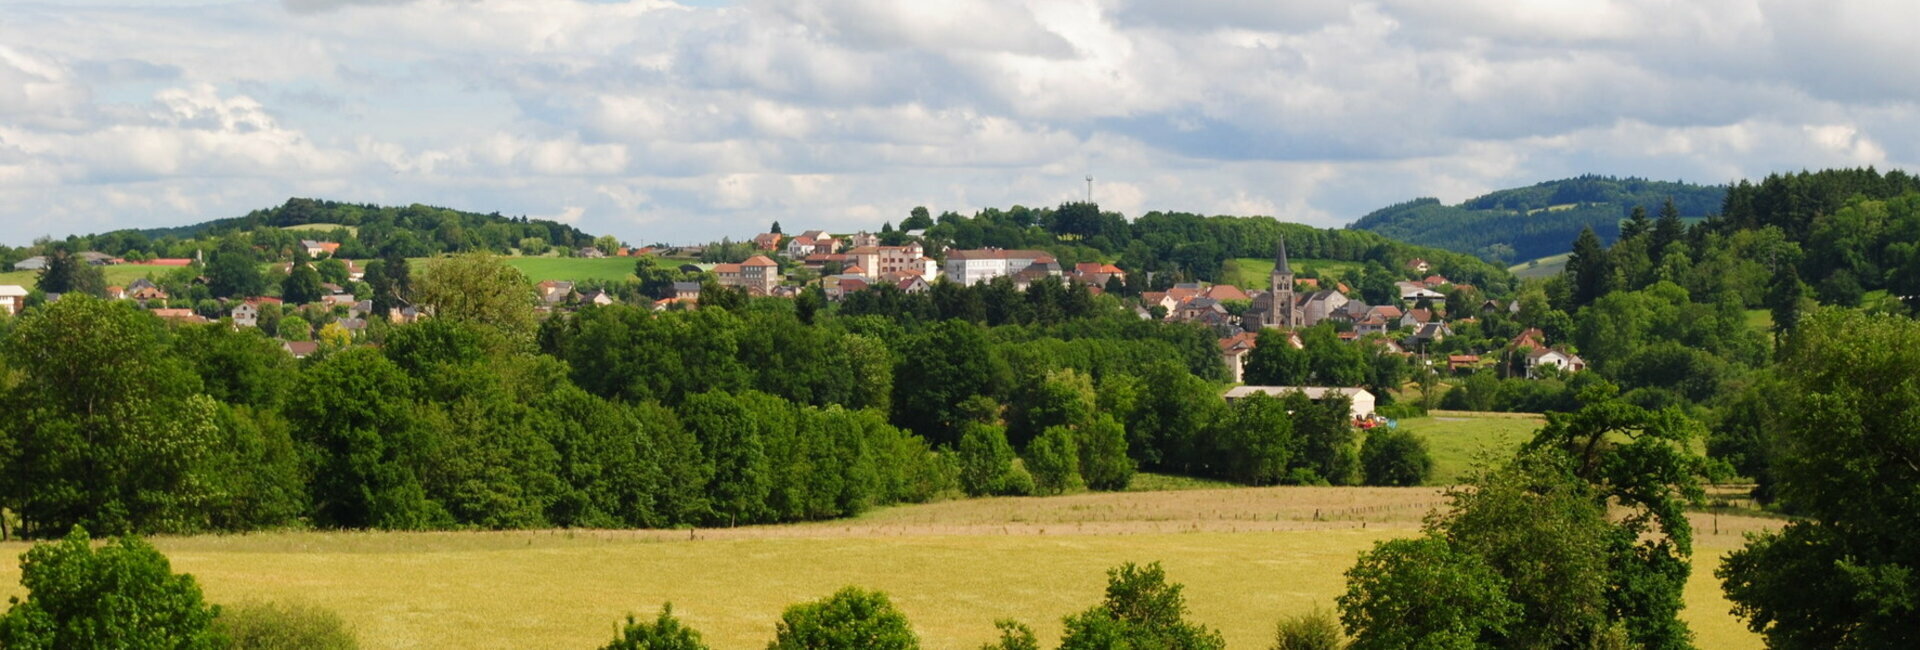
(1666, 230)
(1636, 225)
(1588, 268)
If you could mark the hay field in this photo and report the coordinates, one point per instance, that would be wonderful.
(1246, 556)
(1458, 440)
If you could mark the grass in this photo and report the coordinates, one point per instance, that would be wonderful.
(1544, 267)
(1253, 272)
(574, 269)
(116, 275)
(1457, 440)
(324, 227)
(1247, 557)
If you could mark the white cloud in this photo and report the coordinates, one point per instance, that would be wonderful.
(657, 121)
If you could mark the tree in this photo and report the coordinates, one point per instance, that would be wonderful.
(918, 219)
(1637, 223)
(775, 228)
(986, 464)
(1254, 443)
(1642, 462)
(850, 618)
(390, 282)
(939, 369)
(1054, 460)
(333, 270)
(1103, 454)
(354, 415)
(294, 328)
(1141, 610)
(1846, 574)
(1395, 457)
(105, 428)
(1424, 593)
(233, 270)
(1666, 231)
(479, 288)
(123, 595)
(1588, 270)
(1275, 362)
(663, 633)
(1784, 297)
(69, 273)
(301, 286)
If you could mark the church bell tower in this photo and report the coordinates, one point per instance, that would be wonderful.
(1280, 311)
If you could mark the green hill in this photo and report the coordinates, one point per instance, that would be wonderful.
(1541, 220)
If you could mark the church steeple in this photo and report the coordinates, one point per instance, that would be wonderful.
(1280, 308)
(1280, 266)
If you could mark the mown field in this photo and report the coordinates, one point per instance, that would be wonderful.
(1246, 555)
(1459, 440)
(1544, 267)
(1252, 272)
(573, 269)
(116, 275)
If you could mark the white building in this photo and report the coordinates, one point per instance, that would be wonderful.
(1549, 357)
(1361, 400)
(977, 266)
(13, 298)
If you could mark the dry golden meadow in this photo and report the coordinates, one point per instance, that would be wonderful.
(1247, 557)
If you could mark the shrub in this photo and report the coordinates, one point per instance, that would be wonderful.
(1054, 460)
(1103, 455)
(1316, 630)
(663, 633)
(1013, 636)
(292, 626)
(124, 595)
(986, 462)
(1395, 457)
(851, 618)
(1141, 611)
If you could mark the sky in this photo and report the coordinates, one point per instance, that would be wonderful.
(657, 121)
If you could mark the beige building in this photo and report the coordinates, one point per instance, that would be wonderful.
(759, 274)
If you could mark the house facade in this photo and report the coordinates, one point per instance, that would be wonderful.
(970, 267)
(13, 299)
(758, 274)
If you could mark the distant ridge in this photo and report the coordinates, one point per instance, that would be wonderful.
(1520, 224)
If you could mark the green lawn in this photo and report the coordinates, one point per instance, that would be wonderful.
(1548, 266)
(573, 269)
(1457, 441)
(1252, 272)
(323, 227)
(116, 275)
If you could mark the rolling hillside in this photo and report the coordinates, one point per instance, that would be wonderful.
(1520, 224)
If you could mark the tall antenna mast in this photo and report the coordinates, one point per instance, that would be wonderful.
(1089, 188)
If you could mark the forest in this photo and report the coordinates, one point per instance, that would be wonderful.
(1521, 224)
(364, 231)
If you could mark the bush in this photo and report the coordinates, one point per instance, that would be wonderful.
(293, 626)
(1141, 611)
(851, 618)
(1316, 630)
(1054, 460)
(663, 633)
(1400, 411)
(124, 595)
(1395, 457)
(1013, 636)
(986, 463)
(1103, 455)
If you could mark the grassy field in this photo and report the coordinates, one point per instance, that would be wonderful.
(1458, 440)
(1252, 272)
(1247, 557)
(1544, 267)
(116, 275)
(323, 227)
(574, 269)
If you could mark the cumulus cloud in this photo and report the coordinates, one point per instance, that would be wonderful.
(655, 120)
